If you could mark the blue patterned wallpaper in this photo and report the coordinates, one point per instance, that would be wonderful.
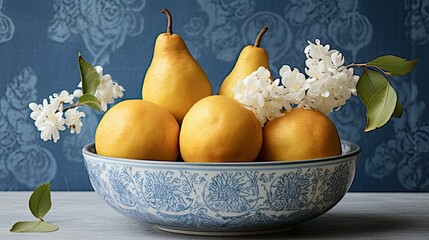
(39, 41)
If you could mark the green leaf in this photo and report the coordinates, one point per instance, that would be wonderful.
(88, 75)
(91, 101)
(397, 113)
(33, 226)
(396, 66)
(369, 83)
(40, 200)
(380, 108)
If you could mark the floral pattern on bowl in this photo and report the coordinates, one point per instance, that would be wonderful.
(222, 198)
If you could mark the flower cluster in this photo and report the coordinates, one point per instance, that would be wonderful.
(331, 83)
(52, 116)
(106, 92)
(328, 86)
(261, 95)
(49, 119)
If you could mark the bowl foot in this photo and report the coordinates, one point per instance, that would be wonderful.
(225, 233)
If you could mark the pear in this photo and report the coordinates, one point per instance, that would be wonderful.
(174, 80)
(249, 60)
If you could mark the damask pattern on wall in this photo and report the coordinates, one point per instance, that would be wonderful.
(394, 158)
(102, 25)
(225, 27)
(23, 162)
(407, 154)
(7, 27)
(417, 21)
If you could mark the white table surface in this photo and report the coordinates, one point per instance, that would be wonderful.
(83, 215)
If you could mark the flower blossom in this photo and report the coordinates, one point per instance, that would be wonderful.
(331, 83)
(295, 84)
(50, 121)
(264, 97)
(63, 97)
(37, 109)
(51, 117)
(328, 86)
(73, 120)
(106, 92)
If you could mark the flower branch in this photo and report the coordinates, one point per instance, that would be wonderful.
(96, 90)
(327, 85)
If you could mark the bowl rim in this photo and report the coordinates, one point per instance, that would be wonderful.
(355, 152)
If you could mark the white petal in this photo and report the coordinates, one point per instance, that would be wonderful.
(33, 106)
(325, 94)
(55, 135)
(77, 93)
(45, 134)
(99, 69)
(284, 70)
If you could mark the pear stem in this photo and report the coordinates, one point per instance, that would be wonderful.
(259, 37)
(169, 21)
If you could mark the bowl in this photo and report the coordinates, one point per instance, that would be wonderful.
(222, 198)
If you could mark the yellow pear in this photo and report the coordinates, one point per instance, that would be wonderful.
(174, 80)
(300, 134)
(220, 129)
(250, 59)
(138, 129)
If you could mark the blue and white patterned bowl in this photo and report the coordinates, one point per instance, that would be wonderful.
(222, 198)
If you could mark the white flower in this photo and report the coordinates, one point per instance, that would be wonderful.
(64, 97)
(99, 70)
(105, 96)
(263, 73)
(265, 98)
(73, 120)
(118, 91)
(328, 86)
(331, 83)
(48, 116)
(295, 84)
(337, 60)
(50, 121)
(37, 109)
(78, 93)
(251, 91)
(316, 51)
(106, 92)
